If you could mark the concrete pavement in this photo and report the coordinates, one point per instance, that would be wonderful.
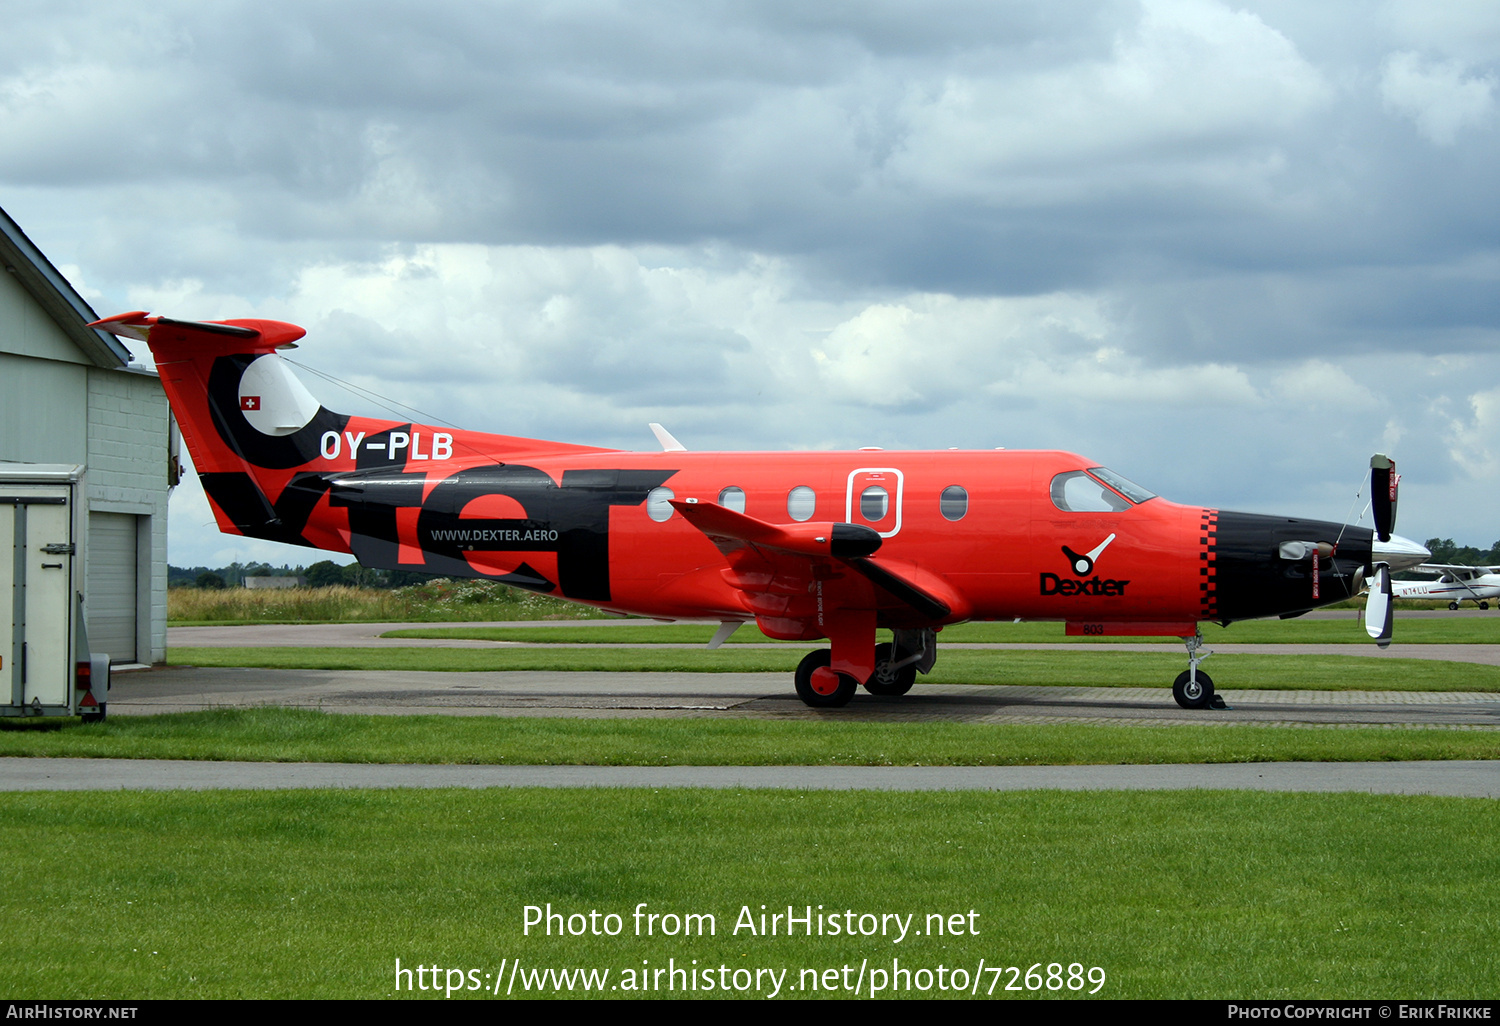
(763, 695)
(1471, 779)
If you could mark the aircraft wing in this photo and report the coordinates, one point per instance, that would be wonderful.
(1462, 571)
(777, 565)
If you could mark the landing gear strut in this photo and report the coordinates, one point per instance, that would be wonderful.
(890, 677)
(891, 673)
(1194, 689)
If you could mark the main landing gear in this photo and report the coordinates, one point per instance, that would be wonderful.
(820, 686)
(896, 666)
(889, 678)
(1194, 689)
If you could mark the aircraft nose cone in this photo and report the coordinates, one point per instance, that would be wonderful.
(1399, 552)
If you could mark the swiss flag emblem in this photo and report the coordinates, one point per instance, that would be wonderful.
(249, 402)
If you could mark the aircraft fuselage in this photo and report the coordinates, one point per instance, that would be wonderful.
(808, 544)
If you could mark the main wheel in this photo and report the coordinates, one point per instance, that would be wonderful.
(813, 688)
(1193, 694)
(1484, 605)
(886, 681)
(1452, 605)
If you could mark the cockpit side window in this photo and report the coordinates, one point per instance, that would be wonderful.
(1077, 492)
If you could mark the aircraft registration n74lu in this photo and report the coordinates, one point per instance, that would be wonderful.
(809, 545)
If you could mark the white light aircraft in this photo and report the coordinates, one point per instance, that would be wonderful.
(1454, 583)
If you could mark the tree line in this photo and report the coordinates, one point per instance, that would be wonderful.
(1445, 551)
(323, 574)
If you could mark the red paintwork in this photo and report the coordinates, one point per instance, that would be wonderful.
(987, 565)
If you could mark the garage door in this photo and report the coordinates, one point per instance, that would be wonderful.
(110, 594)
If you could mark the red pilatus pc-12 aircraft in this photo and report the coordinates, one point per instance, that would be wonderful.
(809, 545)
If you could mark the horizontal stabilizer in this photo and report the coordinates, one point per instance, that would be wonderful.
(252, 333)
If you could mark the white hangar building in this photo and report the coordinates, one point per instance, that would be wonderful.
(72, 395)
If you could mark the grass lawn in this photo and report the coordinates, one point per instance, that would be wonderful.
(1468, 630)
(318, 894)
(300, 735)
(1097, 669)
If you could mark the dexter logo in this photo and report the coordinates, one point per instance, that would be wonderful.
(1055, 585)
(1082, 565)
(249, 402)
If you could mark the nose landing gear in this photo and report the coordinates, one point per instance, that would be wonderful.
(1194, 689)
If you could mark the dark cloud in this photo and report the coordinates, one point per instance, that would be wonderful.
(980, 149)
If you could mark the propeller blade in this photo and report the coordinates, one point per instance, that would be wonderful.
(1378, 610)
(1384, 483)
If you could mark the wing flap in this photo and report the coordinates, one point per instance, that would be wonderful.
(786, 559)
(731, 532)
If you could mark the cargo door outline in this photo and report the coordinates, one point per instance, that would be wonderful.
(861, 479)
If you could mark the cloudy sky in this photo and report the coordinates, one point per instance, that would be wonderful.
(1229, 249)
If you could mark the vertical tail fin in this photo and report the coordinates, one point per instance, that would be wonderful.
(277, 465)
(250, 425)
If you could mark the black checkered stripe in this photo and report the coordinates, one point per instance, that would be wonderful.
(1208, 584)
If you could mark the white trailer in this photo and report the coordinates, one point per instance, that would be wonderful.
(46, 668)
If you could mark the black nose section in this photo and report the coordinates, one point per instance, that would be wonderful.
(1254, 566)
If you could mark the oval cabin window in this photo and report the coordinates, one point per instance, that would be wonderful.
(954, 502)
(874, 501)
(733, 498)
(801, 503)
(657, 500)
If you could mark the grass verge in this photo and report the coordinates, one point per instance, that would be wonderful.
(310, 894)
(435, 601)
(299, 735)
(1096, 669)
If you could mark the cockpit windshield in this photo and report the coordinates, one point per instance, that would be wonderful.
(1096, 490)
(1132, 491)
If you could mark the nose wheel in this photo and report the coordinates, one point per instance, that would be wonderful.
(1194, 692)
(1194, 689)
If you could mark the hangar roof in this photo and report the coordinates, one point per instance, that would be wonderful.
(47, 285)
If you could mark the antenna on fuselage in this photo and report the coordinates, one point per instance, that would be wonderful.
(668, 443)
